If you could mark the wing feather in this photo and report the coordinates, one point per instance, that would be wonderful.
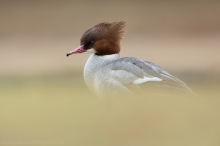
(142, 69)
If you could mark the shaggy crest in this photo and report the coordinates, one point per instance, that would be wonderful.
(113, 31)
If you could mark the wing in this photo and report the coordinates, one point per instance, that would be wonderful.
(137, 74)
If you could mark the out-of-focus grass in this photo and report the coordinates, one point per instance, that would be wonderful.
(59, 109)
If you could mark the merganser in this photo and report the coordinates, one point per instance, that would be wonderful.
(105, 73)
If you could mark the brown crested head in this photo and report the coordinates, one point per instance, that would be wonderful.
(104, 38)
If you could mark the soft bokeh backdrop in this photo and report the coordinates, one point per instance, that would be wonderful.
(44, 100)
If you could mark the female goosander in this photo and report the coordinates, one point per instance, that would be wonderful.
(105, 73)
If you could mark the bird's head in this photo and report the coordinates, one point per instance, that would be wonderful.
(102, 39)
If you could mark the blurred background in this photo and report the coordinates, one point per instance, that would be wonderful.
(43, 97)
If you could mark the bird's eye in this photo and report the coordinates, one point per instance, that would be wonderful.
(89, 44)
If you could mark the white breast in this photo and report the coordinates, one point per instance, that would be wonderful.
(97, 78)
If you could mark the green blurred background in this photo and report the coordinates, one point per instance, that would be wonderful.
(44, 100)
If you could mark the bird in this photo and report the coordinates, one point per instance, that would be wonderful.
(106, 74)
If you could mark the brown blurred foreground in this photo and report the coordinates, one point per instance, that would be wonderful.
(60, 110)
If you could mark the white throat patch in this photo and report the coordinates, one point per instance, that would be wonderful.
(89, 51)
